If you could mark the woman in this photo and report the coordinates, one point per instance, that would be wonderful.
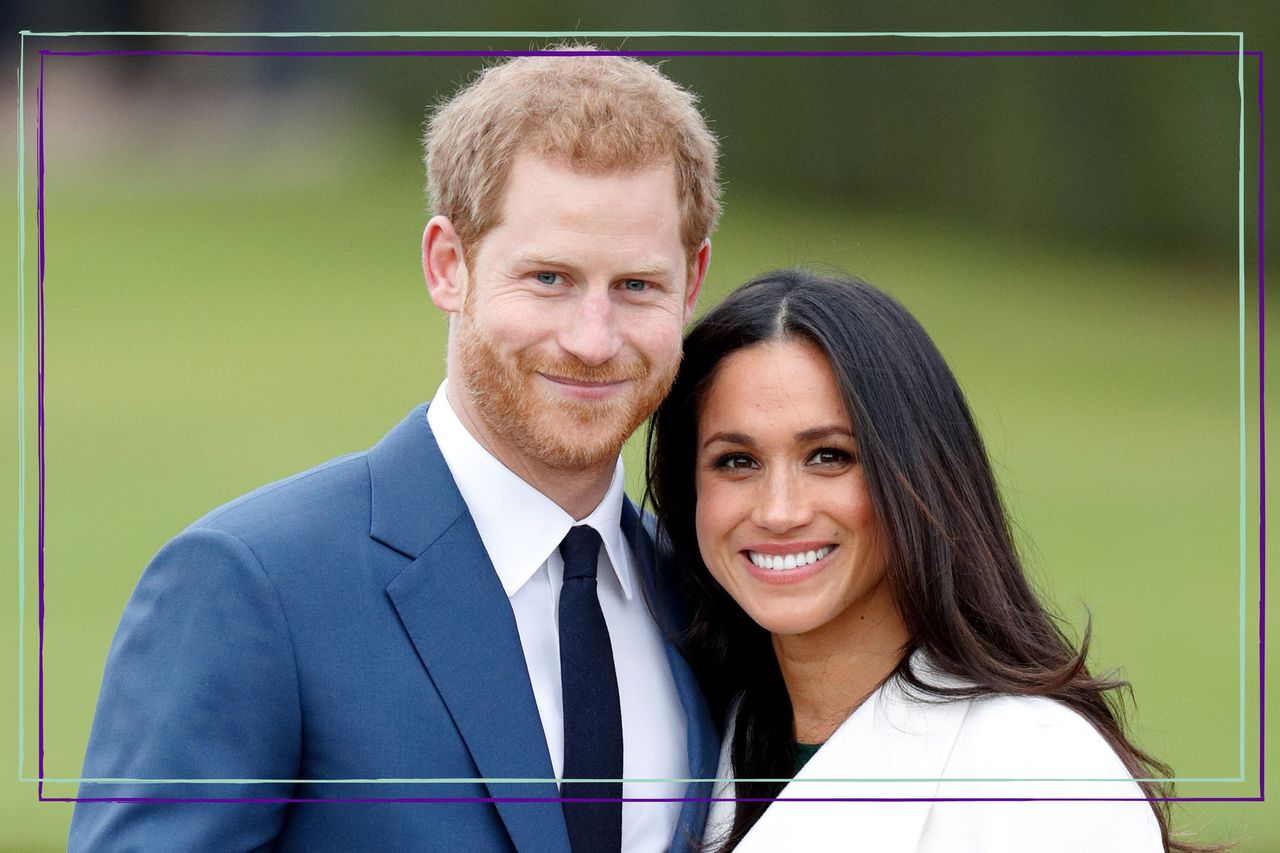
(859, 608)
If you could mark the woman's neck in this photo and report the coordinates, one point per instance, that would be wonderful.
(830, 671)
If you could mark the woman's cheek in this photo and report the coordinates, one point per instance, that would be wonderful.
(709, 518)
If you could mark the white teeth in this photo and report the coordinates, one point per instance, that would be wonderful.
(780, 562)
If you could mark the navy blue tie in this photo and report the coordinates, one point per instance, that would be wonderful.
(592, 711)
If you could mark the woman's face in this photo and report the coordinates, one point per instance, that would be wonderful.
(784, 520)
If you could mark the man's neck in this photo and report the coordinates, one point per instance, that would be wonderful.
(577, 491)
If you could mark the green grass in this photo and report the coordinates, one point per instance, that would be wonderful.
(206, 335)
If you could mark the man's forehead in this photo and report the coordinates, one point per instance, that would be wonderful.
(552, 198)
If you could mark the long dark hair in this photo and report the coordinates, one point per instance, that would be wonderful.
(952, 564)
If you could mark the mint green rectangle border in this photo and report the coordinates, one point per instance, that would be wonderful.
(21, 408)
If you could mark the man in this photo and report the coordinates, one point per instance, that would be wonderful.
(467, 600)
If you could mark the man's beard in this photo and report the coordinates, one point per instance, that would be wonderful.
(558, 431)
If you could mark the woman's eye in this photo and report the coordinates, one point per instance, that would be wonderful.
(735, 462)
(635, 285)
(831, 456)
(546, 277)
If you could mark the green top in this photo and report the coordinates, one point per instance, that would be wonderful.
(805, 751)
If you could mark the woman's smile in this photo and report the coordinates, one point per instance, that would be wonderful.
(787, 562)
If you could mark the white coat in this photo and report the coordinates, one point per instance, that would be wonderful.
(897, 746)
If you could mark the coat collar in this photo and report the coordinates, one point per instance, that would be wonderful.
(519, 525)
(412, 496)
(461, 623)
(459, 619)
(893, 748)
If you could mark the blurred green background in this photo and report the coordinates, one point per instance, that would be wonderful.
(233, 294)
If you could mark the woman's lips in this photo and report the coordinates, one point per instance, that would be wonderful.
(790, 562)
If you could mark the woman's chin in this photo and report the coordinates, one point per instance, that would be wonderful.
(786, 621)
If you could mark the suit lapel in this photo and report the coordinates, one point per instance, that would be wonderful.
(703, 745)
(459, 619)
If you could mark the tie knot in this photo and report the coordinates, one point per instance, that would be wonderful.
(580, 549)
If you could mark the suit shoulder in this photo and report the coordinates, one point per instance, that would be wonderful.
(339, 486)
(1023, 712)
(1040, 749)
(1037, 737)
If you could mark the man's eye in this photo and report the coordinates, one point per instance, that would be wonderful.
(635, 285)
(546, 277)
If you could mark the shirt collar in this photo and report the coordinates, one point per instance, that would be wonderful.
(519, 526)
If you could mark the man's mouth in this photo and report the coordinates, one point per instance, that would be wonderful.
(582, 383)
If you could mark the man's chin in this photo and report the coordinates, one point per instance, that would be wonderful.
(574, 446)
(559, 430)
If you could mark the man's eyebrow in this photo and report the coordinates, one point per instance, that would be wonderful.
(546, 259)
(646, 266)
(651, 267)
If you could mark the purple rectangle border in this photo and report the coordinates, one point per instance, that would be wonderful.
(1262, 426)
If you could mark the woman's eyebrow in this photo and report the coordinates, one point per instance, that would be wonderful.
(814, 434)
(730, 438)
(822, 432)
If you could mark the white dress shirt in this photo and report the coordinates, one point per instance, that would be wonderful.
(521, 529)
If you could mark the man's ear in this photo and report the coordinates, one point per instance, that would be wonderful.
(697, 274)
(443, 265)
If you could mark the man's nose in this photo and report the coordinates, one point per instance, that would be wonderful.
(591, 332)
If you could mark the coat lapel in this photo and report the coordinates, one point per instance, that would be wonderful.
(893, 749)
(459, 619)
(703, 745)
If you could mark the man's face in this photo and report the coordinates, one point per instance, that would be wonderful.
(569, 333)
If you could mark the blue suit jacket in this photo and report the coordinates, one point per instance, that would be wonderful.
(342, 624)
